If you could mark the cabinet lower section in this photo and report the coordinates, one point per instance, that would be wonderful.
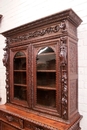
(12, 118)
(5, 126)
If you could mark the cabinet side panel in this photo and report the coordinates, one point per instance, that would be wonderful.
(73, 96)
(73, 77)
(73, 57)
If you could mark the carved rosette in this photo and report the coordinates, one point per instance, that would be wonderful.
(63, 65)
(6, 64)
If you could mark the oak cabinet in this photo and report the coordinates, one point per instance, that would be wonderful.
(41, 61)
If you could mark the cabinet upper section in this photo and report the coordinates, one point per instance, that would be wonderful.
(41, 66)
(64, 22)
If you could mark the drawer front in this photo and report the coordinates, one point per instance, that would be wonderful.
(32, 126)
(8, 118)
(5, 126)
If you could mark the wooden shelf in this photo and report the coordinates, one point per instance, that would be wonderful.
(43, 54)
(46, 88)
(19, 70)
(46, 70)
(20, 57)
(23, 85)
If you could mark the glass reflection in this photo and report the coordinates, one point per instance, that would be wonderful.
(46, 59)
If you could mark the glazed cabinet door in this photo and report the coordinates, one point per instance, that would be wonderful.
(46, 77)
(19, 76)
(46, 86)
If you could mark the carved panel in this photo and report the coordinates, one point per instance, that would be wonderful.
(12, 119)
(38, 126)
(39, 33)
(73, 95)
(63, 65)
(73, 57)
(33, 127)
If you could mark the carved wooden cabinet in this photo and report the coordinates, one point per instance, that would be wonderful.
(41, 61)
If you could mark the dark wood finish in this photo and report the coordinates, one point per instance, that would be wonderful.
(0, 17)
(21, 119)
(42, 75)
(5, 126)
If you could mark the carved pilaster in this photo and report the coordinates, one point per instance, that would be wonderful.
(63, 65)
(6, 64)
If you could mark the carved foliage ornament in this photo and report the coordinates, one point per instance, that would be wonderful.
(63, 65)
(5, 59)
(5, 63)
(49, 30)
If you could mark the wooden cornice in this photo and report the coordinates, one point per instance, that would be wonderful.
(68, 14)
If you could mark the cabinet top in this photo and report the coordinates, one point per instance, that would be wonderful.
(68, 14)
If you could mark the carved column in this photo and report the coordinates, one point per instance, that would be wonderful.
(6, 64)
(63, 65)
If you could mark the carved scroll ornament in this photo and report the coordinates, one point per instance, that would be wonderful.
(37, 33)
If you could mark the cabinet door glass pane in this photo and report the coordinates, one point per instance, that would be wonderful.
(46, 77)
(19, 77)
(19, 61)
(46, 59)
(46, 98)
(20, 91)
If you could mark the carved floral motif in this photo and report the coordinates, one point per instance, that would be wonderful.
(63, 62)
(49, 30)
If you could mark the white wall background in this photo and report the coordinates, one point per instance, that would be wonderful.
(18, 12)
